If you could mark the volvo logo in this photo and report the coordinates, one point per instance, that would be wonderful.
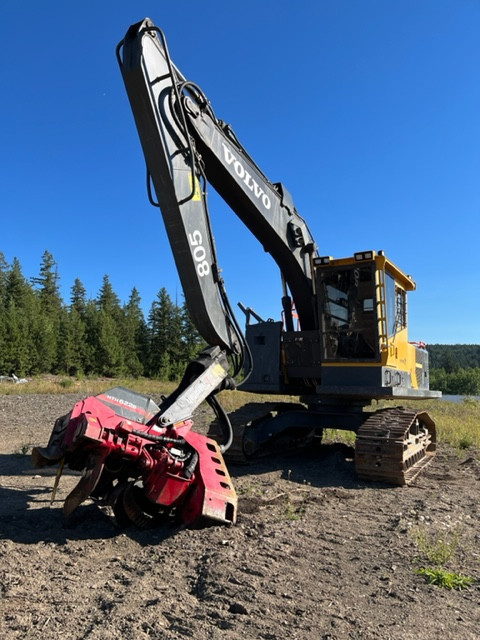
(245, 177)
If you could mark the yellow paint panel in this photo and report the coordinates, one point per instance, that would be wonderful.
(197, 195)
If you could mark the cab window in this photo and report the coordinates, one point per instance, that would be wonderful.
(349, 318)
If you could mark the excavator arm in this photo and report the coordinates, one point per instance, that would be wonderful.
(173, 166)
(186, 146)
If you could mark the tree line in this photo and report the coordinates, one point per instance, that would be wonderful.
(40, 333)
(455, 368)
(452, 357)
(463, 382)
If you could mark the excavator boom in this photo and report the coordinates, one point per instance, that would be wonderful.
(185, 145)
(152, 83)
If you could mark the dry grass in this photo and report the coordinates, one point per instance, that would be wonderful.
(85, 386)
(458, 424)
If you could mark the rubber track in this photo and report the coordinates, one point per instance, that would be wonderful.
(394, 445)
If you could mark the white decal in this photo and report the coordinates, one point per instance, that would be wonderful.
(247, 179)
(199, 253)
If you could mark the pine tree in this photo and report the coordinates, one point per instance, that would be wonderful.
(108, 300)
(44, 330)
(164, 327)
(78, 297)
(3, 279)
(47, 284)
(47, 325)
(3, 284)
(72, 348)
(110, 353)
(16, 286)
(92, 364)
(134, 331)
(110, 350)
(192, 341)
(19, 353)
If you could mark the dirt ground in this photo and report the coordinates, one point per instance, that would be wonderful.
(316, 553)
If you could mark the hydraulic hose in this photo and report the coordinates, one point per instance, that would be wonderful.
(224, 420)
(159, 439)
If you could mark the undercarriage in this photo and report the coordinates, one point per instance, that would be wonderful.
(393, 445)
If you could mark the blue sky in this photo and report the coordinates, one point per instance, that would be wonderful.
(367, 111)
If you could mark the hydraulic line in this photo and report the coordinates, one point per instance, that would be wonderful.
(173, 74)
(224, 420)
(160, 439)
(181, 87)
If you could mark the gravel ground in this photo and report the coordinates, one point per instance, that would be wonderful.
(316, 553)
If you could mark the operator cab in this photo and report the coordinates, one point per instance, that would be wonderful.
(362, 310)
(360, 349)
(362, 305)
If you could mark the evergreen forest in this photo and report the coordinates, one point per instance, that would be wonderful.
(41, 333)
(455, 368)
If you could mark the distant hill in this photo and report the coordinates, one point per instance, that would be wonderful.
(452, 357)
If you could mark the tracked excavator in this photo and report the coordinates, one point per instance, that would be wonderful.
(341, 341)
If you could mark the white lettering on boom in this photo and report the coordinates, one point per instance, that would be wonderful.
(246, 178)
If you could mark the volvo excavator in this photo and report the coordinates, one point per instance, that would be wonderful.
(340, 343)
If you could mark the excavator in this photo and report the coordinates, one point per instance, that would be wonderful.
(340, 343)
